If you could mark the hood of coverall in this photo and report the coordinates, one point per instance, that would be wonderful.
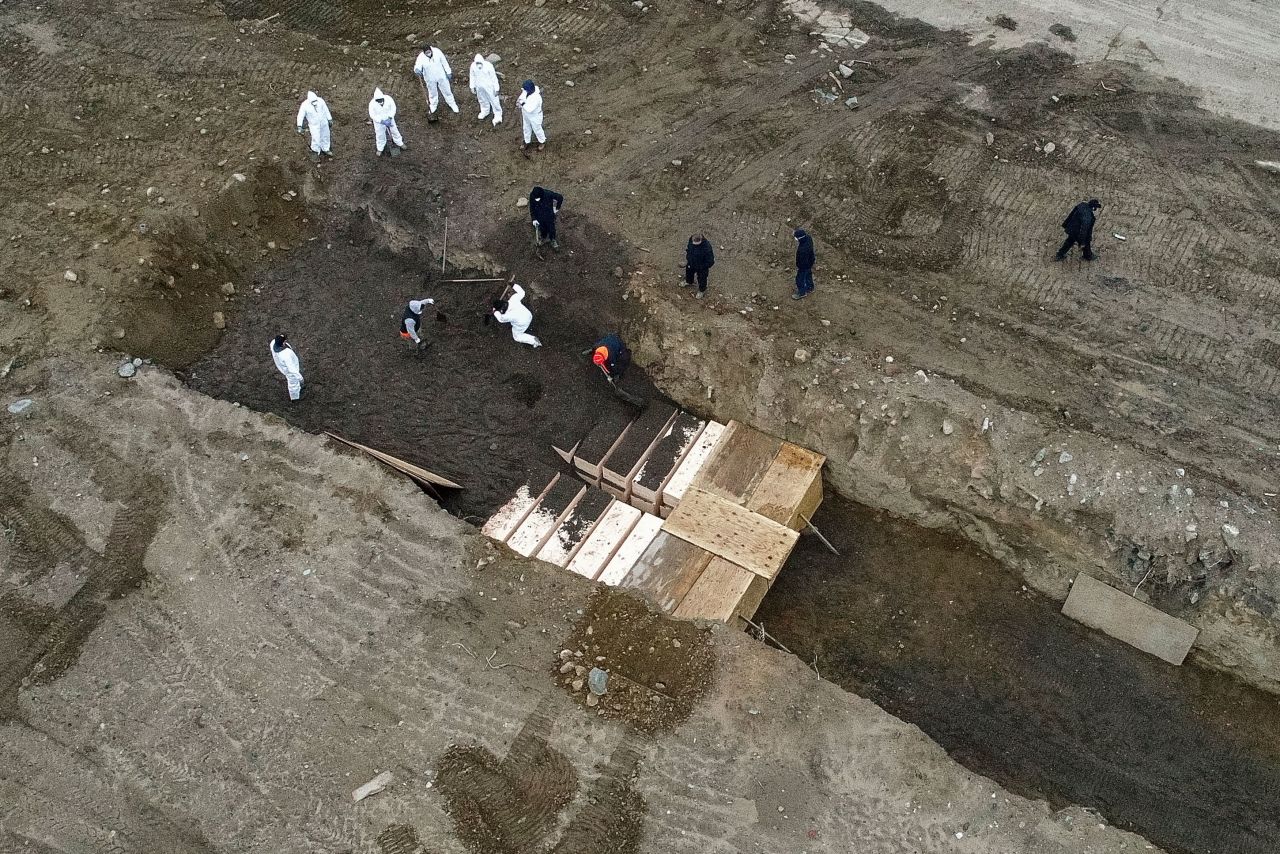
(528, 86)
(415, 305)
(377, 94)
(312, 98)
(479, 60)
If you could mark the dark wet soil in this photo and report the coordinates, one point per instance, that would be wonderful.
(948, 639)
(476, 407)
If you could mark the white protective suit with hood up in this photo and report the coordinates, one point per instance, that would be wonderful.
(530, 104)
(433, 67)
(384, 120)
(519, 316)
(287, 363)
(484, 83)
(315, 112)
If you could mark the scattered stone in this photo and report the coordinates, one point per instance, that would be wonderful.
(1071, 484)
(1065, 457)
(1004, 22)
(922, 375)
(1142, 490)
(219, 320)
(675, 643)
(845, 71)
(566, 654)
(598, 681)
(639, 4)
(888, 360)
(1269, 165)
(137, 362)
(791, 57)
(539, 3)
(618, 273)
(1230, 531)
(126, 370)
(677, 162)
(412, 37)
(567, 667)
(592, 700)
(1040, 455)
(569, 83)
(70, 276)
(851, 102)
(228, 288)
(825, 322)
(1063, 32)
(493, 446)
(377, 784)
(801, 355)
(239, 177)
(1049, 147)
(576, 685)
(271, 244)
(947, 427)
(991, 137)
(117, 332)
(494, 58)
(522, 202)
(20, 406)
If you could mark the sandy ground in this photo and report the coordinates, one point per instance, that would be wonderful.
(240, 626)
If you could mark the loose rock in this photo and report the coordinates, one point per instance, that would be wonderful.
(126, 370)
(70, 276)
(377, 784)
(1065, 457)
(20, 406)
(947, 427)
(845, 71)
(598, 681)
(522, 202)
(802, 355)
(219, 320)
(228, 288)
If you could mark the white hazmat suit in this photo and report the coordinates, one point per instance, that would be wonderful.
(484, 83)
(383, 116)
(315, 113)
(287, 363)
(433, 68)
(519, 316)
(530, 104)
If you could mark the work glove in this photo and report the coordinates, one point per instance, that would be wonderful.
(429, 301)
(536, 223)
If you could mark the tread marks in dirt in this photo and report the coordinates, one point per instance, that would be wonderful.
(53, 540)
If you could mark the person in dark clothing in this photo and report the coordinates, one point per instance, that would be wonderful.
(543, 206)
(611, 356)
(1079, 228)
(805, 258)
(699, 258)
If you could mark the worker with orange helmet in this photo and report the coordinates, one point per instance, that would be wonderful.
(611, 356)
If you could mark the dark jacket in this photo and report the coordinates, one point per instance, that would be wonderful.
(1079, 223)
(619, 355)
(805, 256)
(543, 204)
(699, 256)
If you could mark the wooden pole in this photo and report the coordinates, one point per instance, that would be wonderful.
(445, 251)
(454, 281)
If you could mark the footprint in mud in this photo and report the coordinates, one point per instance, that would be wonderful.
(525, 388)
(401, 839)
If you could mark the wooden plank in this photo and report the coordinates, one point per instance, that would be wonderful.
(665, 457)
(416, 472)
(573, 529)
(673, 490)
(546, 517)
(716, 593)
(667, 570)
(633, 450)
(510, 516)
(739, 462)
(732, 532)
(1125, 618)
(604, 540)
(620, 565)
(786, 489)
(592, 451)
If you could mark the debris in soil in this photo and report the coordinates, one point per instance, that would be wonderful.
(1063, 32)
(1004, 22)
(126, 370)
(639, 650)
(20, 406)
(377, 784)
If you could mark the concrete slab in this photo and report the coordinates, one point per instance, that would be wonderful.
(1151, 630)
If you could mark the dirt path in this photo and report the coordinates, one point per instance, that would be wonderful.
(948, 639)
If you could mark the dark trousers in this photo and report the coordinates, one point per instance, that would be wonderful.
(804, 281)
(700, 273)
(547, 230)
(1087, 246)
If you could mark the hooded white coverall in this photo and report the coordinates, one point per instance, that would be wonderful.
(484, 83)
(287, 363)
(413, 318)
(433, 67)
(519, 316)
(530, 105)
(315, 112)
(384, 120)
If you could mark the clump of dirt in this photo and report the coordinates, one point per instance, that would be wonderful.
(658, 668)
(1004, 22)
(1063, 32)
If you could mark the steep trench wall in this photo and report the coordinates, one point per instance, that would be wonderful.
(1045, 499)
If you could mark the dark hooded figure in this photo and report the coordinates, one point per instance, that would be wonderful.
(543, 206)
(1079, 228)
(611, 356)
(805, 258)
(699, 258)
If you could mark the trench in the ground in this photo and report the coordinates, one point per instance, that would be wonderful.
(937, 633)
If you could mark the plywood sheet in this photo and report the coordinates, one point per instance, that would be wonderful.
(740, 460)
(667, 570)
(1125, 618)
(684, 474)
(786, 490)
(716, 593)
(750, 601)
(631, 549)
(732, 532)
(599, 547)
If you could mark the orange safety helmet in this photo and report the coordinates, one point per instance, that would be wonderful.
(600, 356)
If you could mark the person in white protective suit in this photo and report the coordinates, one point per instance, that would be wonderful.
(433, 70)
(315, 113)
(515, 312)
(411, 321)
(484, 83)
(287, 363)
(382, 112)
(530, 104)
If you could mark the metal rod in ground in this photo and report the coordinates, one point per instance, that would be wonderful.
(825, 541)
(779, 644)
(454, 281)
(445, 251)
